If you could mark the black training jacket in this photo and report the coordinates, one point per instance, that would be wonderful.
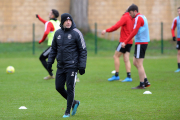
(69, 48)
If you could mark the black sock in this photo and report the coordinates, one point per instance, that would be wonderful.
(142, 84)
(179, 65)
(117, 74)
(128, 74)
(145, 80)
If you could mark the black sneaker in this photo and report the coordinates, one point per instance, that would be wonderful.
(139, 87)
(147, 84)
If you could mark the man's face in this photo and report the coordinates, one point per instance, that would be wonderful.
(67, 23)
(132, 13)
(179, 12)
(51, 15)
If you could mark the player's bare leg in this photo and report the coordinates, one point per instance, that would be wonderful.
(146, 82)
(145, 75)
(178, 56)
(116, 60)
(116, 64)
(127, 61)
(128, 67)
(178, 61)
(134, 62)
(140, 68)
(138, 62)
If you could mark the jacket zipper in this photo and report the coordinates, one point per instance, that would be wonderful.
(62, 49)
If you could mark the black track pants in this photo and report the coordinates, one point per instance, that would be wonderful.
(67, 76)
(43, 58)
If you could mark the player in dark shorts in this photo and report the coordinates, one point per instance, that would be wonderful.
(141, 33)
(176, 23)
(126, 24)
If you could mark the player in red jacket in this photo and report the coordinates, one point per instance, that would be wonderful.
(126, 24)
(50, 27)
(176, 22)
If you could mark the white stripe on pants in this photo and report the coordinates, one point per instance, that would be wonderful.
(47, 52)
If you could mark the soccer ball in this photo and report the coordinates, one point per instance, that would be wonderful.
(10, 70)
(113, 72)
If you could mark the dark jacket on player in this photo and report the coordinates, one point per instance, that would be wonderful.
(68, 47)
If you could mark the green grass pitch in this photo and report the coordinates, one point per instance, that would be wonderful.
(100, 99)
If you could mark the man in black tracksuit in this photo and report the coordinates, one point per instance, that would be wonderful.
(69, 49)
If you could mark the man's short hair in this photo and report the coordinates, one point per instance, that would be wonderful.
(55, 12)
(133, 7)
(178, 7)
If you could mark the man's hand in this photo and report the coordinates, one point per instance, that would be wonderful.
(81, 71)
(174, 38)
(103, 32)
(123, 45)
(37, 16)
(40, 41)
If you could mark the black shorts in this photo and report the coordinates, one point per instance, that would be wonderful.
(140, 50)
(124, 50)
(178, 45)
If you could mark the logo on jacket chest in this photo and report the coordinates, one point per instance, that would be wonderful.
(59, 37)
(69, 36)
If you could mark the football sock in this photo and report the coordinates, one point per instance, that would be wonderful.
(117, 74)
(145, 80)
(142, 84)
(179, 65)
(128, 74)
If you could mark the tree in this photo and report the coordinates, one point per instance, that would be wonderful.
(79, 12)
